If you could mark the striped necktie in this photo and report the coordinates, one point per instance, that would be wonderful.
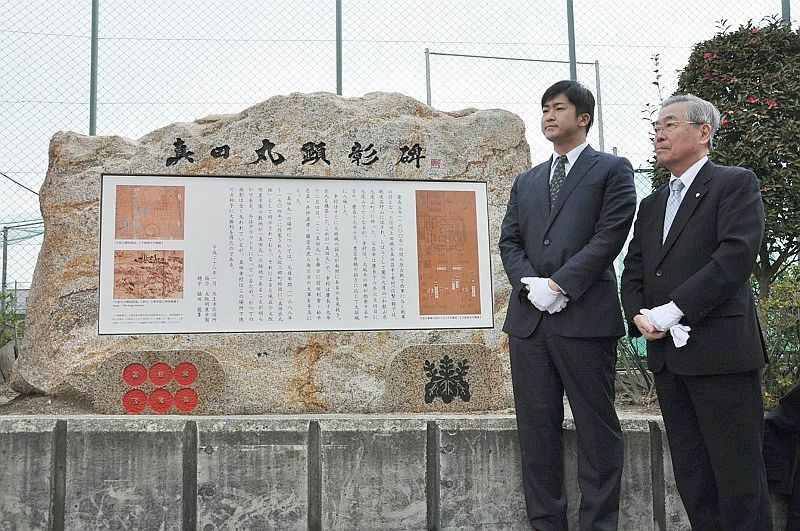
(674, 201)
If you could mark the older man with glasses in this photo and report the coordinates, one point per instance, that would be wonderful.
(686, 290)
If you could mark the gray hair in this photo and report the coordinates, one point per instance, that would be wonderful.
(697, 110)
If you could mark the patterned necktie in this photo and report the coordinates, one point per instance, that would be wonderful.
(559, 174)
(674, 201)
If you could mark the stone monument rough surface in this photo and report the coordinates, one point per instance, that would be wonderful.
(277, 372)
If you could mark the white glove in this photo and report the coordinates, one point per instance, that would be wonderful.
(544, 298)
(663, 317)
(560, 304)
(680, 335)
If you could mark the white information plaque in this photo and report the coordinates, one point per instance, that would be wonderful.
(196, 254)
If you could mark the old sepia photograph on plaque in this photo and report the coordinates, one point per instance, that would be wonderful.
(148, 274)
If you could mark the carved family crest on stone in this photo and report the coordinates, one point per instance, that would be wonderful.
(184, 382)
(451, 377)
(342, 371)
(448, 380)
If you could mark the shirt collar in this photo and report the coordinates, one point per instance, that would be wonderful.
(689, 175)
(572, 155)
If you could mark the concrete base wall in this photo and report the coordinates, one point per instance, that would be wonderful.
(302, 472)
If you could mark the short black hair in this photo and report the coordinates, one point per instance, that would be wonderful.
(578, 95)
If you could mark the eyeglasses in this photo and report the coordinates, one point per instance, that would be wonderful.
(671, 125)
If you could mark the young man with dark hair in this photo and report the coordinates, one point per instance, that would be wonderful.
(567, 220)
(578, 95)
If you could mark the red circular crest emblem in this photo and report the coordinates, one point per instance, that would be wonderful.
(134, 374)
(160, 400)
(186, 399)
(160, 374)
(134, 401)
(185, 373)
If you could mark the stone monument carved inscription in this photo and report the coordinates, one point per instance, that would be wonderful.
(152, 266)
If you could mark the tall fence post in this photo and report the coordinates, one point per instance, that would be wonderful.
(5, 261)
(427, 76)
(339, 47)
(93, 72)
(599, 105)
(786, 11)
(573, 61)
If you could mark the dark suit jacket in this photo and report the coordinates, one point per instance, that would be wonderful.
(704, 267)
(575, 243)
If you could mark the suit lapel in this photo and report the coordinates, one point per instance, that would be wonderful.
(660, 206)
(541, 188)
(689, 203)
(586, 160)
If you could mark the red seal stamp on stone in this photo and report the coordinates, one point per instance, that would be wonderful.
(185, 373)
(160, 374)
(186, 399)
(134, 401)
(134, 374)
(160, 400)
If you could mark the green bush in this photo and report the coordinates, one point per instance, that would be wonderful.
(10, 324)
(780, 319)
(752, 75)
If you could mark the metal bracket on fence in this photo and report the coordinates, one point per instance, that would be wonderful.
(4, 277)
(596, 65)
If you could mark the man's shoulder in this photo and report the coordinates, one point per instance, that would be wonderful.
(606, 158)
(536, 169)
(654, 194)
(720, 169)
(722, 175)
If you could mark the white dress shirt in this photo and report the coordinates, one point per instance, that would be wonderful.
(572, 156)
(689, 175)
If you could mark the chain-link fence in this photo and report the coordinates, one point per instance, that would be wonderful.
(162, 62)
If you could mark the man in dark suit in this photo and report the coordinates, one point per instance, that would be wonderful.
(567, 219)
(687, 273)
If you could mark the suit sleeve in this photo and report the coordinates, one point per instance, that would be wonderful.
(583, 268)
(632, 286)
(512, 246)
(740, 228)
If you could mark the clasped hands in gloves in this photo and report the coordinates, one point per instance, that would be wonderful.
(666, 318)
(543, 297)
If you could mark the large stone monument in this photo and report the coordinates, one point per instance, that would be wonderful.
(379, 136)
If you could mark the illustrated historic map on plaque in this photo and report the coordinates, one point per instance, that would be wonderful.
(447, 253)
(149, 212)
